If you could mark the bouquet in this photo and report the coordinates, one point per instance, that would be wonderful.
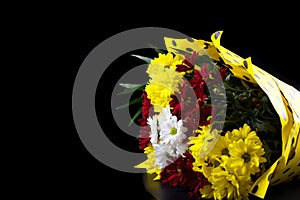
(215, 124)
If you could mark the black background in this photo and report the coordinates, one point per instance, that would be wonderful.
(71, 33)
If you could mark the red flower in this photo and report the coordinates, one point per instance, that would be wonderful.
(213, 75)
(192, 117)
(182, 68)
(187, 63)
(144, 137)
(176, 106)
(180, 173)
(223, 72)
(205, 113)
(192, 58)
(198, 85)
(146, 105)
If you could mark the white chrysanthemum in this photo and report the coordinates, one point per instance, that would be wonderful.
(181, 148)
(164, 116)
(172, 132)
(164, 155)
(152, 122)
(167, 137)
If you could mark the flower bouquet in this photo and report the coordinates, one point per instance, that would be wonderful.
(215, 124)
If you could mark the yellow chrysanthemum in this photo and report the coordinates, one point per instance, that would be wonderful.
(164, 80)
(244, 133)
(245, 156)
(207, 192)
(221, 147)
(201, 146)
(149, 164)
(159, 95)
(168, 78)
(207, 138)
(166, 60)
(228, 161)
(227, 185)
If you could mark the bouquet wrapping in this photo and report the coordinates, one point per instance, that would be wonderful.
(216, 124)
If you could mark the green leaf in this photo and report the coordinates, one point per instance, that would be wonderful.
(129, 85)
(137, 100)
(131, 90)
(146, 59)
(135, 116)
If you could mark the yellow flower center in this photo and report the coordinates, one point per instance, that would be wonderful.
(173, 131)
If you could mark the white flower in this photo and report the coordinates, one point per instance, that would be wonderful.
(164, 116)
(167, 137)
(152, 122)
(164, 155)
(172, 132)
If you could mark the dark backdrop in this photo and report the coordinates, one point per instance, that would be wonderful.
(267, 38)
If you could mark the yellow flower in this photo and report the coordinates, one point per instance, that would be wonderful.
(164, 80)
(227, 185)
(201, 146)
(221, 147)
(245, 156)
(244, 133)
(167, 60)
(207, 192)
(168, 78)
(165, 64)
(208, 139)
(149, 164)
(159, 95)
